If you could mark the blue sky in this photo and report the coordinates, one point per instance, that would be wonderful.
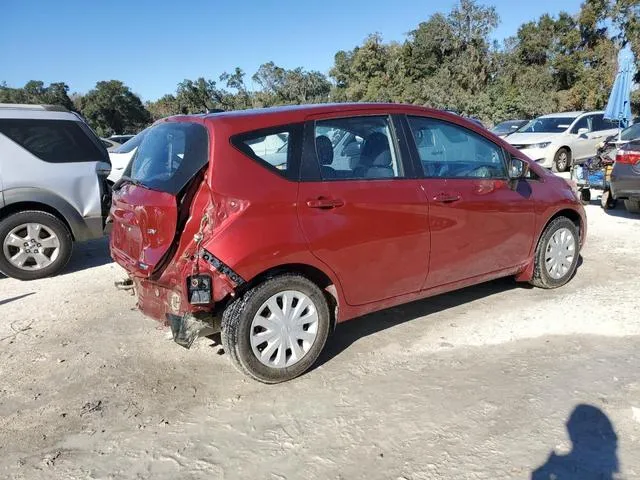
(153, 45)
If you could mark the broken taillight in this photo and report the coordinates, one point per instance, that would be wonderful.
(629, 157)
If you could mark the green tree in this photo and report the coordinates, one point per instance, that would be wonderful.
(280, 86)
(111, 108)
(34, 92)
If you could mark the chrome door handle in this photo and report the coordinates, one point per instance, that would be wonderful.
(447, 197)
(325, 203)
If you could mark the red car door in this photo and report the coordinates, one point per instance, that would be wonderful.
(360, 214)
(479, 225)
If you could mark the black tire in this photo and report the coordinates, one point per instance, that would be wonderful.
(562, 160)
(541, 277)
(632, 206)
(51, 222)
(607, 201)
(238, 316)
(585, 196)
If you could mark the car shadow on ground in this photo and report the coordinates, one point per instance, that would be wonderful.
(618, 211)
(89, 254)
(351, 331)
(593, 453)
(92, 253)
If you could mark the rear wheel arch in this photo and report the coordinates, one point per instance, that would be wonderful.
(325, 282)
(22, 206)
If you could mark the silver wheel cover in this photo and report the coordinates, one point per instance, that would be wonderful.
(560, 253)
(31, 246)
(284, 329)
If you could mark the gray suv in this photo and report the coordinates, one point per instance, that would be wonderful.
(53, 188)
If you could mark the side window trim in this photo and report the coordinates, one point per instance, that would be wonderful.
(292, 172)
(310, 164)
(418, 162)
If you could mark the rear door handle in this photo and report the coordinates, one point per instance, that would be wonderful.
(447, 197)
(325, 203)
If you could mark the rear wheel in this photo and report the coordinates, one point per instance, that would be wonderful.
(277, 329)
(34, 245)
(556, 256)
(585, 196)
(562, 160)
(632, 206)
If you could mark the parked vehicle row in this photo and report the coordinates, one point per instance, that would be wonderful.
(560, 139)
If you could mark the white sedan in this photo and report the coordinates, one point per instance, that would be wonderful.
(560, 139)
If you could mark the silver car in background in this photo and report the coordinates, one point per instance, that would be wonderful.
(53, 188)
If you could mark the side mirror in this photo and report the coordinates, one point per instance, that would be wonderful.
(518, 169)
(582, 132)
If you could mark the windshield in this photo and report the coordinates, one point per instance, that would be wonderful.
(507, 127)
(169, 155)
(631, 133)
(548, 125)
(130, 144)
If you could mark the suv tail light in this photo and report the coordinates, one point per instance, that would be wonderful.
(629, 157)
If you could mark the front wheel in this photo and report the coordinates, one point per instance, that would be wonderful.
(562, 160)
(277, 329)
(556, 257)
(34, 245)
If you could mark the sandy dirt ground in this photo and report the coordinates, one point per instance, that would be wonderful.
(477, 384)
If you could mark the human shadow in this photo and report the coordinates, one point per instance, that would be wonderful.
(593, 454)
(349, 332)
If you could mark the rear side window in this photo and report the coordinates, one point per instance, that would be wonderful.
(275, 148)
(600, 123)
(54, 141)
(170, 155)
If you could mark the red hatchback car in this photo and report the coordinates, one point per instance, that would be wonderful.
(273, 225)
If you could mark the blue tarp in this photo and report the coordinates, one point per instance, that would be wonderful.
(619, 105)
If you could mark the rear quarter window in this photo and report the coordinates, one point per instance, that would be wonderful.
(54, 141)
(277, 148)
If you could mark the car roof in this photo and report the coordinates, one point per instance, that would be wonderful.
(256, 118)
(563, 114)
(44, 112)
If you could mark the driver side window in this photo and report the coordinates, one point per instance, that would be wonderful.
(582, 123)
(447, 150)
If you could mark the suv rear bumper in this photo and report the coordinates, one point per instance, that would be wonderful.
(625, 181)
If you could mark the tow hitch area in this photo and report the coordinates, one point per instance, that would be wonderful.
(186, 328)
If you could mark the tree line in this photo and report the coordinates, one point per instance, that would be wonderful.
(553, 63)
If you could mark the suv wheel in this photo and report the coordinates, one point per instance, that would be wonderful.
(632, 206)
(277, 329)
(557, 253)
(33, 245)
(562, 160)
